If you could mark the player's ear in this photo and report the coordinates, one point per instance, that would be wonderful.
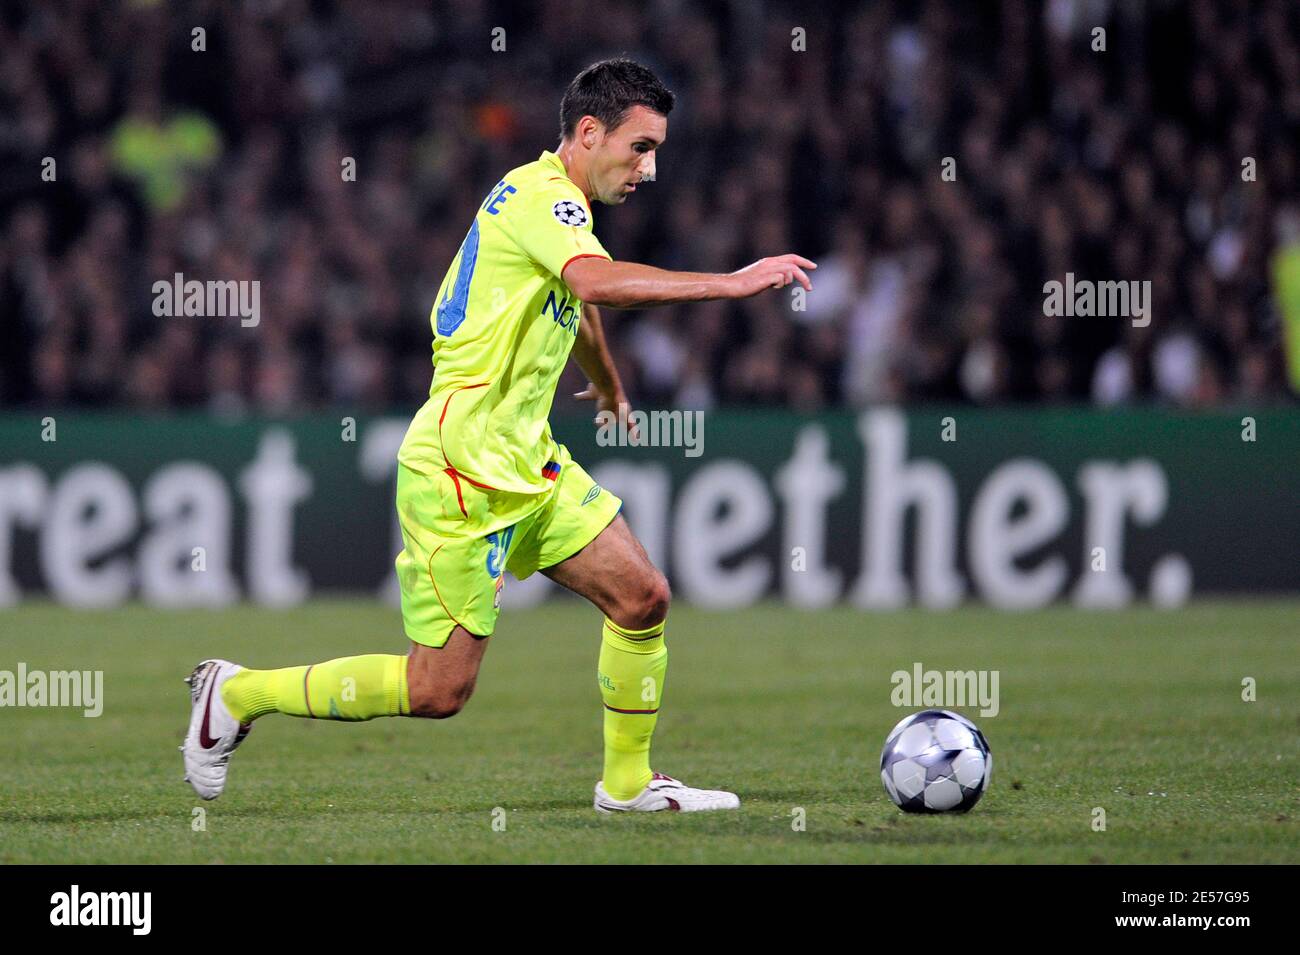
(589, 130)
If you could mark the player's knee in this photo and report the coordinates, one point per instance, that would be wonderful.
(661, 597)
(649, 605)
(440, 701)
(448, 705)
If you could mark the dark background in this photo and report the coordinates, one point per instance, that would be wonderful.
(225, 164)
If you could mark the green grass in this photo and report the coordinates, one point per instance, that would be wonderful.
(1138, 712)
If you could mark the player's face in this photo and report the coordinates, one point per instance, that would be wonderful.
(625, 155)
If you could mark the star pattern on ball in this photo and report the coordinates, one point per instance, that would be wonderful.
(935, 761)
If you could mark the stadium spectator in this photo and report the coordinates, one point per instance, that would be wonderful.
(230, 163)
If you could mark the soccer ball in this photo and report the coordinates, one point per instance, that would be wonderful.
(935, 761)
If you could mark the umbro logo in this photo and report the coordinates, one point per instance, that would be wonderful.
(591, 495)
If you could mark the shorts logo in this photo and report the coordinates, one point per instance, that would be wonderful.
(591, 495)
(496, 557)
(496, 597)
(569, 213)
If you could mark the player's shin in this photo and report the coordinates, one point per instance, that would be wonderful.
(349, 688)
(631, 674)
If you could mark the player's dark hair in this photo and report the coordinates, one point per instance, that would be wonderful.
(608, 89)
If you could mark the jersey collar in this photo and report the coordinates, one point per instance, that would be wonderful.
(548, 158)
(552, 161)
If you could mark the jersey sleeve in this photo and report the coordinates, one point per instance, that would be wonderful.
(555, 227)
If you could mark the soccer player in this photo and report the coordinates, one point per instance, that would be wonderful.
(483, 487)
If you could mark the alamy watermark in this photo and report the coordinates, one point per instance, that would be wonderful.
(212, 299)
(76, 688)
(75, 907)
(656, 429)
(946, 688)
(1084, 298)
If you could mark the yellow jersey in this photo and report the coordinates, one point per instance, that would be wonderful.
(503, 325)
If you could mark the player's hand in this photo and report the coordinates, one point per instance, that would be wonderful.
(615, 403)
(775, 272)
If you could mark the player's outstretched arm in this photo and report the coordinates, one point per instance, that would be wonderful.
(599, 281)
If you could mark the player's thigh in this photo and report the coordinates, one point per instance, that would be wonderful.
(614, 572)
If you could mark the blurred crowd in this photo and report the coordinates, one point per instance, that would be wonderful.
(822, 130)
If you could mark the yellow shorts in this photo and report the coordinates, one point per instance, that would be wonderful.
(453, 565)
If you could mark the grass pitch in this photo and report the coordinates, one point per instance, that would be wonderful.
(1139, 713)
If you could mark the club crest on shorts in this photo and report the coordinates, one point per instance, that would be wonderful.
(569, 213)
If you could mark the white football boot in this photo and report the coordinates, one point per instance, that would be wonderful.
(213, 733)
(665, 793)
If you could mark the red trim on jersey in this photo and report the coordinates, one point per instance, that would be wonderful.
(456, 481)
(584, 255)
(438, 593)
(451, 469)
(442, 417)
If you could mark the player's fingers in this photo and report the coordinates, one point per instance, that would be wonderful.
(587, 393)
(803, 279)
(633, 432)
(801, 261)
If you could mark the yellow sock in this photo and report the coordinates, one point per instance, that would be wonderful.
(349, 688)
(631, 674)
